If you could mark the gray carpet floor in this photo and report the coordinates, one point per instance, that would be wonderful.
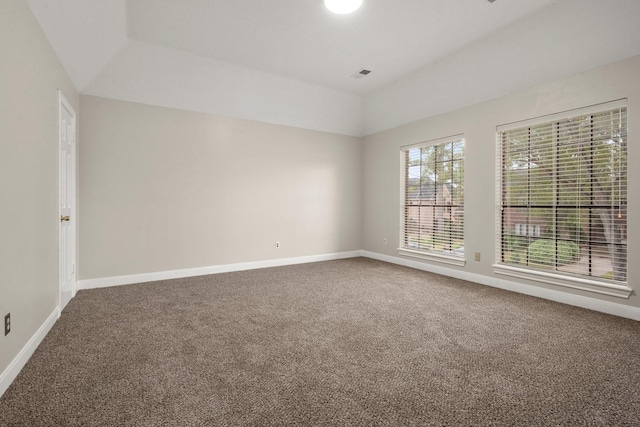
(353, 342)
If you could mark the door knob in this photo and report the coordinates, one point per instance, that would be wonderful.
(65, 218)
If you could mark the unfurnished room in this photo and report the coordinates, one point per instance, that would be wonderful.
(320, 212)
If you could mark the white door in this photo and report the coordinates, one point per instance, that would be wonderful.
(67, 197)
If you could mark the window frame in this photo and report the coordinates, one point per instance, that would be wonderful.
(425, 254)
(581, 282)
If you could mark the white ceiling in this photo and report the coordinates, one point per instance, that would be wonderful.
(134, 49)
(302, 40)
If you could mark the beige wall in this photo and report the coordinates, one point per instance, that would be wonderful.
(164, 189)
(478, 124)
(30, 75)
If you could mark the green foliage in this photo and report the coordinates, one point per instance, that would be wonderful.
(555, 173)
(608, 275)
(439, 165)
(543, 251)
(570, 226)
(513, 242)
(426, 242)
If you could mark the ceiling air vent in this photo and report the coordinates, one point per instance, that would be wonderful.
(360, 74)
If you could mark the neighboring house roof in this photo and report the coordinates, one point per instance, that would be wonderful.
(428, 189)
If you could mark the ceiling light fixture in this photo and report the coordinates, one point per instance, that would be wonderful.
(342, 7)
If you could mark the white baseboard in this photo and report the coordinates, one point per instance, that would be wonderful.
(18, 362)
(595, 304)
(536, 291)
(202, 271)
(16, 365)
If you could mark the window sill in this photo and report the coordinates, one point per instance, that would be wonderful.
(430, 256)
(620, 291)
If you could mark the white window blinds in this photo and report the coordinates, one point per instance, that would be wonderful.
(562, 192)
(432, 192)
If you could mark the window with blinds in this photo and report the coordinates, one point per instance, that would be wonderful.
(432, 204)
(562, 192)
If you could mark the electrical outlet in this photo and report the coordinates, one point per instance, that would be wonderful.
(277, 245)
(384, 242)
(7, 324)
(477, 256)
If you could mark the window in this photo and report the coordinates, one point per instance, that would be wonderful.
(562, 193)
(532, 230)
(432, 205)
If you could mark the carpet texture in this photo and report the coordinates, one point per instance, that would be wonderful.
(353, 342)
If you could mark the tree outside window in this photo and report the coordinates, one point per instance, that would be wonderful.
(566, 180)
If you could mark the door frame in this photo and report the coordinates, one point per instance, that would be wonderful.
(63, 103)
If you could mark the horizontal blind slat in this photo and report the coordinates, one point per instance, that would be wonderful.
(433, 195)
(563, 186)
